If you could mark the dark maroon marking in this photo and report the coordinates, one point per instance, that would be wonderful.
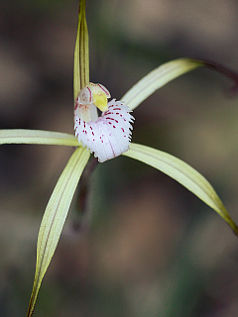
(90, 94)
(117, 109)
(114, 127)
(106, 92)
(108, 118)
(123, 130)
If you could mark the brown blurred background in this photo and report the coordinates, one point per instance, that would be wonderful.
(152, 248)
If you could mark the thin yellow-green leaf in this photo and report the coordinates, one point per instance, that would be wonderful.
(81, 52)
(158, 78)
(184, 174)
(20, 136)
(54, 218)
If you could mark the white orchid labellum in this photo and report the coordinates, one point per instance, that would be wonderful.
(106, 136)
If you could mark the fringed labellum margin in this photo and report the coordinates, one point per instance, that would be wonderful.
(109, 135)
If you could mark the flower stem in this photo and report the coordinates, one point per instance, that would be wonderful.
(82, 214)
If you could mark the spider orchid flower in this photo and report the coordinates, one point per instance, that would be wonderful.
(107, 135)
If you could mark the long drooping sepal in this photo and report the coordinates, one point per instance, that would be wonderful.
(54, 218)
(21, 136)
(166, 73)
(157, 79)
(184, 174)
(81, 52)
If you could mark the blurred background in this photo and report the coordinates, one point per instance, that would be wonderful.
(150, 248)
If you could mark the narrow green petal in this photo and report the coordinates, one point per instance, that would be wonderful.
(81, 52)
(184, 174)
(54, 218)
(158, 78)
(76, 60)
(21, 136)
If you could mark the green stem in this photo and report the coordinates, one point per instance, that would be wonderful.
(83, 215)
